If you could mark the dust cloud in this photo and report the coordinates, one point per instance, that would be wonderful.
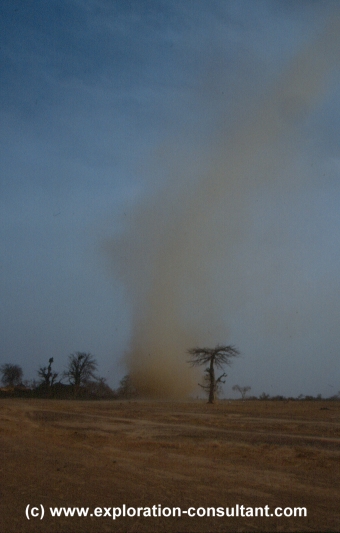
(177, 256)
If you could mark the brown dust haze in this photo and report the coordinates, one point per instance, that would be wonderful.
(176, 254)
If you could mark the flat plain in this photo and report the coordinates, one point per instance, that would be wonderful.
(60, 453)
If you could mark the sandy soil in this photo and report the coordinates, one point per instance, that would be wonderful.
(138, 453)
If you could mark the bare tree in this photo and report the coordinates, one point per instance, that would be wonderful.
(126, 388)
(99, 389)
(264, 396)
(47, 376)
(11, 375)
(242, 390)
(81, 367)
(218, 356)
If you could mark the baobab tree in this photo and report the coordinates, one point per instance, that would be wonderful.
(218, 356)
(242, 390)
(47, 376)
(11, 375)
(81, 368)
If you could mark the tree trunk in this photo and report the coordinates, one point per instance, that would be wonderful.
(212, 381)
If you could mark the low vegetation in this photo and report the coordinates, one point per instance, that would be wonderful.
(79, 380)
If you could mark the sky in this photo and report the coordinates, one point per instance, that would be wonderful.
(170, 179)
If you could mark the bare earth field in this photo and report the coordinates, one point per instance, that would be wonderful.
(189, 454)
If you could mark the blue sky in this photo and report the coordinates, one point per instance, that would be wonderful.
(111, 113)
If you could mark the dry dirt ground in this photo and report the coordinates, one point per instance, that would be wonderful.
(139, 453)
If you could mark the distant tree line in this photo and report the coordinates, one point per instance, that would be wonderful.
(278, 397)
(80, 379)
